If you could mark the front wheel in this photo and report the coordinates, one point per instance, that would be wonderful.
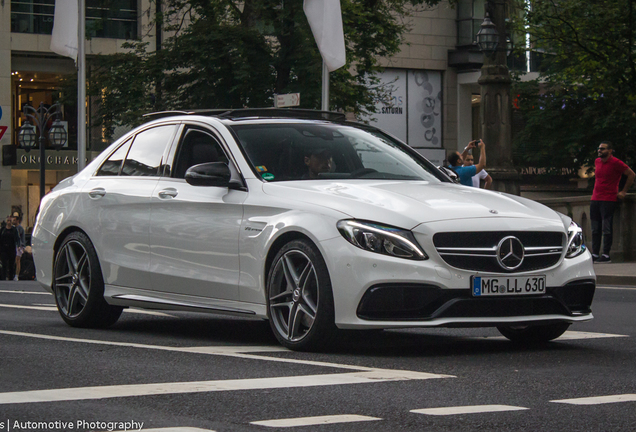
(79, 286)
(299, 297)
(534, 334)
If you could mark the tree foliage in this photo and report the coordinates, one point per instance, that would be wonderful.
(587, 87)
(239, 53)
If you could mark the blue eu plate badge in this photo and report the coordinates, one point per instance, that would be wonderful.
(477, 285)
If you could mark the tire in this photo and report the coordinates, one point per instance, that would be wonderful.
(534, 334)
(78, 285)
(299, 298)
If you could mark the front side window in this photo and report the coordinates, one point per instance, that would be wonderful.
(145, 157)
(308, 151)
(196, 147)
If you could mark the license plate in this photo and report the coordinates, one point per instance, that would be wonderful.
(497, 286)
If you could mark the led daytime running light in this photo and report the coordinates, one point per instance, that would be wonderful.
(576, 241)
(384, 246)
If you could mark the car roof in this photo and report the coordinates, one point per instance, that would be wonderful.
(235, 115)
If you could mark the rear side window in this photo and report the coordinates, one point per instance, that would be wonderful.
(112, 165)
(145, 157)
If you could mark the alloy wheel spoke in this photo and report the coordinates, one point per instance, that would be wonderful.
(71, 259)
(309, 307)
(60, 280)
(290, 272)
(286, 305)
(82, 263)
(281, 295)
(70, 302)
(305, 275)
(307, 310)
(293, 322)
(82, 289)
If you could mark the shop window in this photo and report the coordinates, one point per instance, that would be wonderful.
(470, 14)
(104, 18)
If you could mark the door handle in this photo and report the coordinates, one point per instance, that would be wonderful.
(168, 193)
(97, 193)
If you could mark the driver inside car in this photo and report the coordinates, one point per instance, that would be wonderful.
(318, 160)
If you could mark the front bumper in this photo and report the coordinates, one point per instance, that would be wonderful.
(376, 291)
(406, 302)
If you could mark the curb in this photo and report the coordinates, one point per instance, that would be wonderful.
(615, 280)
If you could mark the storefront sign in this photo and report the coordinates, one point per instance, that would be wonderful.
(59, 160)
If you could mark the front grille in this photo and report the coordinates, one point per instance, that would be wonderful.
(477, 251)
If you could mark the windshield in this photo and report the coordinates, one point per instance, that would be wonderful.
(310, 151)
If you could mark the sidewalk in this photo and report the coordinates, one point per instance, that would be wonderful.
(616, 273)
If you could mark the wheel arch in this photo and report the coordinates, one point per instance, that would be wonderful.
(281, 241)
(60, 240)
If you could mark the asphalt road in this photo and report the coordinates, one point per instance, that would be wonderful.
(204, 372)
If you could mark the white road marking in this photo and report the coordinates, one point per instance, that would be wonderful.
(598, 400)
(313, 421)
(229, 352)
(570, 335)
(104, 392)
(42, 308)
(471, 409)
(174, 429)
(54, 309)
(26, 292)
(574, 335)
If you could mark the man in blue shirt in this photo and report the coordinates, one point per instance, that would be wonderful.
(466, 173)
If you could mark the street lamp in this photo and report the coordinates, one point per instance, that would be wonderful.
(488, 37)
(28, 132)
(495, 113)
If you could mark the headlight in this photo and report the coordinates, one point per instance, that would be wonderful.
(576, 241)
(381, 239)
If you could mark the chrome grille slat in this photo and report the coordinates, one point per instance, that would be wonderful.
(478, 250)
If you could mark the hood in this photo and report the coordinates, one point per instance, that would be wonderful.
(407, 204)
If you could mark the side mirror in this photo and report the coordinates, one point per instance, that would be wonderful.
(209, 174)
(452, 175)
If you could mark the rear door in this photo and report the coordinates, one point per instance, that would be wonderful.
(116, 202)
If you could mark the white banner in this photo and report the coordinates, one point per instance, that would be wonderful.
(325, 20)
(65, 28)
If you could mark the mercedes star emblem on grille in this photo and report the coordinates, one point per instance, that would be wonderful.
(510, 253)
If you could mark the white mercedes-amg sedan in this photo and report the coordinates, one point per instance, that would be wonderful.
(309, 221)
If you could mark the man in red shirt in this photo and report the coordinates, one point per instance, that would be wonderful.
(607, 176)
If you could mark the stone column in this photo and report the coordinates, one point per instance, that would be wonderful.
(496, 109)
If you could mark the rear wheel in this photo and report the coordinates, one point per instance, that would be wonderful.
(79, 286)
(534, 333)
(299, 297)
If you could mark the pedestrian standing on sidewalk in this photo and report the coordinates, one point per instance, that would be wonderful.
(9, 241)
(604, 198)
(17, 223)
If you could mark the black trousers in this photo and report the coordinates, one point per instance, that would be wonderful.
(8, 266)
(602, 217)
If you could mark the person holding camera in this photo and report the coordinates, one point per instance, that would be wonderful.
(466, 173)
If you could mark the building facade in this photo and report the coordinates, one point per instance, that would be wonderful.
(433, 102)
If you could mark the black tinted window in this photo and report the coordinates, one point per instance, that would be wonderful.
(113, 164)
(145, 155)
(196, 147)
